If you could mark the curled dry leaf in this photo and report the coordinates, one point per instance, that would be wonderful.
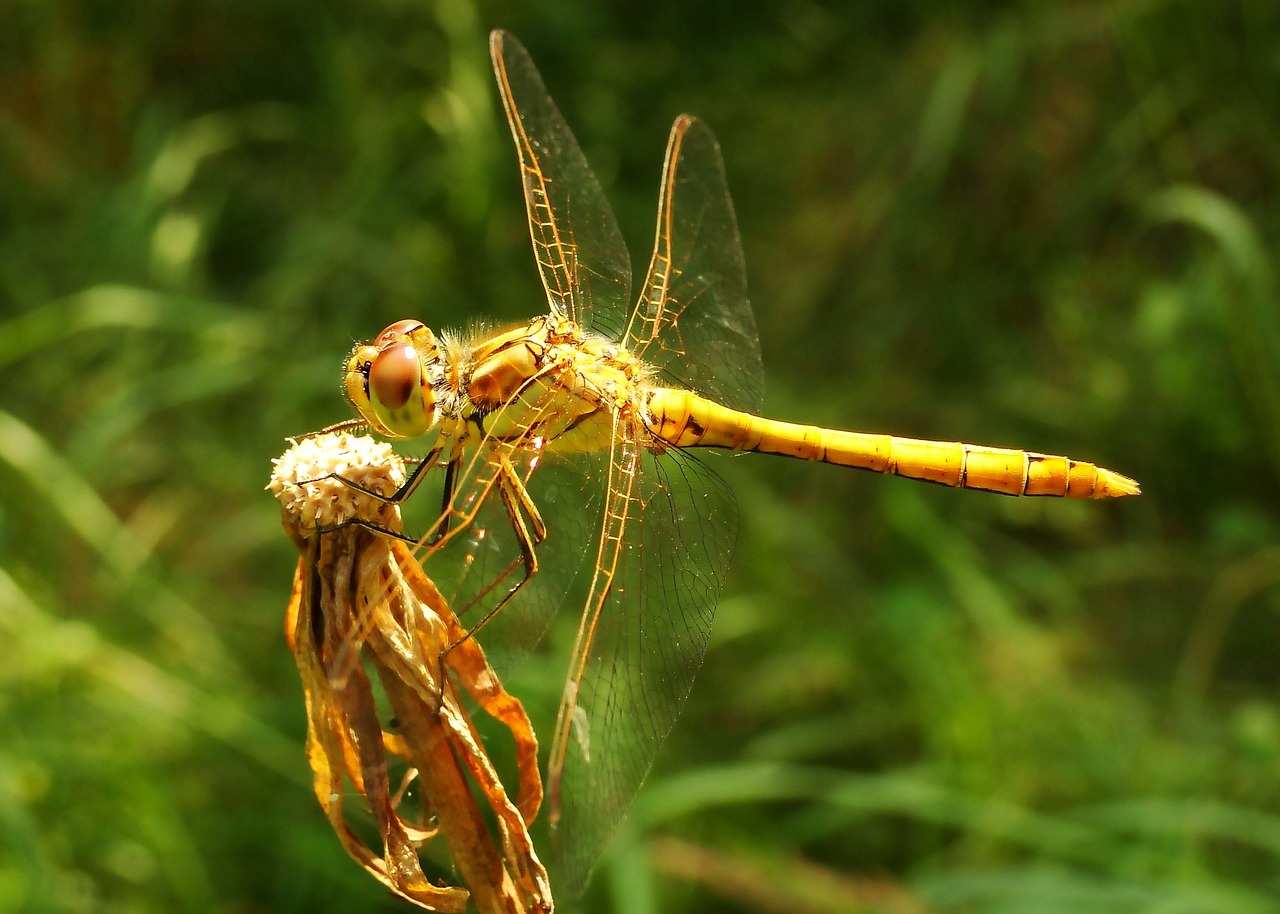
(361, 602)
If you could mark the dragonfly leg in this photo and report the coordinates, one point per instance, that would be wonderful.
(440, 529)
(529, 529)
(397, 497)
(405, 490)
(372, 527)
(346, 425)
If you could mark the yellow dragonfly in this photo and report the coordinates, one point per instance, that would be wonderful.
(566, 445)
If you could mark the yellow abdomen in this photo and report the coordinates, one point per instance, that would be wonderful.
(683, 419)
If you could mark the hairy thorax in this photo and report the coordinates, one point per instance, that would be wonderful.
(547, 379)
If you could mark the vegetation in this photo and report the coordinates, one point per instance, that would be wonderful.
(1036, 224)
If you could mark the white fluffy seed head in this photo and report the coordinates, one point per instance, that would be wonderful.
(304, 479)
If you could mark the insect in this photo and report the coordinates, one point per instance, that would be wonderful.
(566, 445)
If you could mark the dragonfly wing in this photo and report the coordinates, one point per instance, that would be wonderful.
(581, 255)
(483, 558)
(693, 319)
(668, 531)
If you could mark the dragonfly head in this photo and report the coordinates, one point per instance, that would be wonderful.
(387, 381)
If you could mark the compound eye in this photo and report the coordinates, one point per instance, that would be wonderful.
(396, 331)
(394, 376)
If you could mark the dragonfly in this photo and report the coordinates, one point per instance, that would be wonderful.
(566, 447)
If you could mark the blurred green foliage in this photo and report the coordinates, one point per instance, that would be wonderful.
(1038, 224)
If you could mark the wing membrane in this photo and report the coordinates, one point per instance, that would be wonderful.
(483, 557)
(659, 530)
(653, 527)
(581, 255)
(668, 535)
(693, 319)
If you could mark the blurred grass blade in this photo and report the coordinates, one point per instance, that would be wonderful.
(83, 510)
(70, 496)
(937, 138)
(1250, 311)
(1176, 817)
(206, 136)
(46, 640)
(124, 307)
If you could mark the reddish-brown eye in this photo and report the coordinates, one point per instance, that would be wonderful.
(396, 331)
(394, 375)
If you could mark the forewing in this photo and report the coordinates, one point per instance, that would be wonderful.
(672, 522)
(581, 255)
(693, 319)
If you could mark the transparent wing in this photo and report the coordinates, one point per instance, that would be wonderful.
(654, 534)
(654, 530)
(667, 537)
(581, 255)
(483, 559)
(693, 319)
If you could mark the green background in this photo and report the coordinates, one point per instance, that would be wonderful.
(1035, 224)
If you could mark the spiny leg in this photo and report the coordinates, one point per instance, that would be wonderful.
(441, 527)
(529, 530)
(519, 506)
(372, 527)
(400, 495)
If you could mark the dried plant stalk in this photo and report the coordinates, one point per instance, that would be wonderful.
(361, 601)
